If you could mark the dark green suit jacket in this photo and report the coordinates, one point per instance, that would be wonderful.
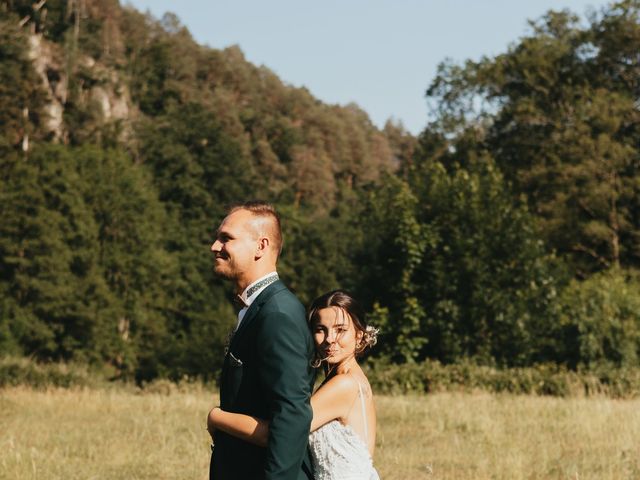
(267, 374)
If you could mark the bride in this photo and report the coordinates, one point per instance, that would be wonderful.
(343, 429)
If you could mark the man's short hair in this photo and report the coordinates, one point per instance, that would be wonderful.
(268, 212)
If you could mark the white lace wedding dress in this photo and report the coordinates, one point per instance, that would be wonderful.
(339, 453)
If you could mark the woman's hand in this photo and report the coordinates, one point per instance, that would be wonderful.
(211, 422)
(250, 429)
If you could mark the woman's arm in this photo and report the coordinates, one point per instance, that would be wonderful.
(250, 429)
(332, 401)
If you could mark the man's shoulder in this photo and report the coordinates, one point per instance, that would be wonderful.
(283, 300)
(283, 308)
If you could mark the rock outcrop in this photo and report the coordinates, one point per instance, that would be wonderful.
(106, 91)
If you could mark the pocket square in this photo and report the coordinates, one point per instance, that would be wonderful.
(235, 361)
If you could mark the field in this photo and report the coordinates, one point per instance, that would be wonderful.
(126, 434)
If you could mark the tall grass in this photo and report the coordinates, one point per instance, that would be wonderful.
(484, 436)
(160, 434)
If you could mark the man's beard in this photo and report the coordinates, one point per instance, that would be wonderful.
(225, 270)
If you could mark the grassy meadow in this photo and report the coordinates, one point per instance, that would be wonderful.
(128, 434)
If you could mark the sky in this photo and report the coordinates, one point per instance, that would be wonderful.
(380, 54)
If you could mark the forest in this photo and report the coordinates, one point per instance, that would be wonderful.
(506, 234)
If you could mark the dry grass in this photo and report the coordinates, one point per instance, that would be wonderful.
(113, 434)
(482, 436)
(102, 434)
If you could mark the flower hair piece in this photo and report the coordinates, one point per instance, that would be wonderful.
(370, 336)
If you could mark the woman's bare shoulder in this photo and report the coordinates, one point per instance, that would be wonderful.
(342, 384)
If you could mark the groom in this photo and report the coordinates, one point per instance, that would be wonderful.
(266, 371)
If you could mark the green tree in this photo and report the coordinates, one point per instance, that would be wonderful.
(560, 119)
(55, 298)
(393, 246)
(487, 283)
(454, 268)
(131, 250)
(600, 320)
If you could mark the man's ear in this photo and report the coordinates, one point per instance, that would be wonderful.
(262, 247)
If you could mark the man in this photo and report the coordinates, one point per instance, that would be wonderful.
(266, 371)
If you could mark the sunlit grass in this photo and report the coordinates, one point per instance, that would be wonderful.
(482, 436)
(112, 434)
(103, 434)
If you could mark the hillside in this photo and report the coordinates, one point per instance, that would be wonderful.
(106, 71)
(507, 234)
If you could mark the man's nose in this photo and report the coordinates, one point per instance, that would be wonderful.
(215, 246)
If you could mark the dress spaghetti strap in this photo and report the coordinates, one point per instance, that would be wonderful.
(364, 414)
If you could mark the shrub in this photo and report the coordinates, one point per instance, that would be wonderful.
(15, 371)
(544, 379)
(600, 320)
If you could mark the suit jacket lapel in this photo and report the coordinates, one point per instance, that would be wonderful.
(253, 310)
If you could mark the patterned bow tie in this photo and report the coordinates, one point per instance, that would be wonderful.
(239, 302)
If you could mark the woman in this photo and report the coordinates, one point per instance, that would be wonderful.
(343, 429)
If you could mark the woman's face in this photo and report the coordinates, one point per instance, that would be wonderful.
(335, 335)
